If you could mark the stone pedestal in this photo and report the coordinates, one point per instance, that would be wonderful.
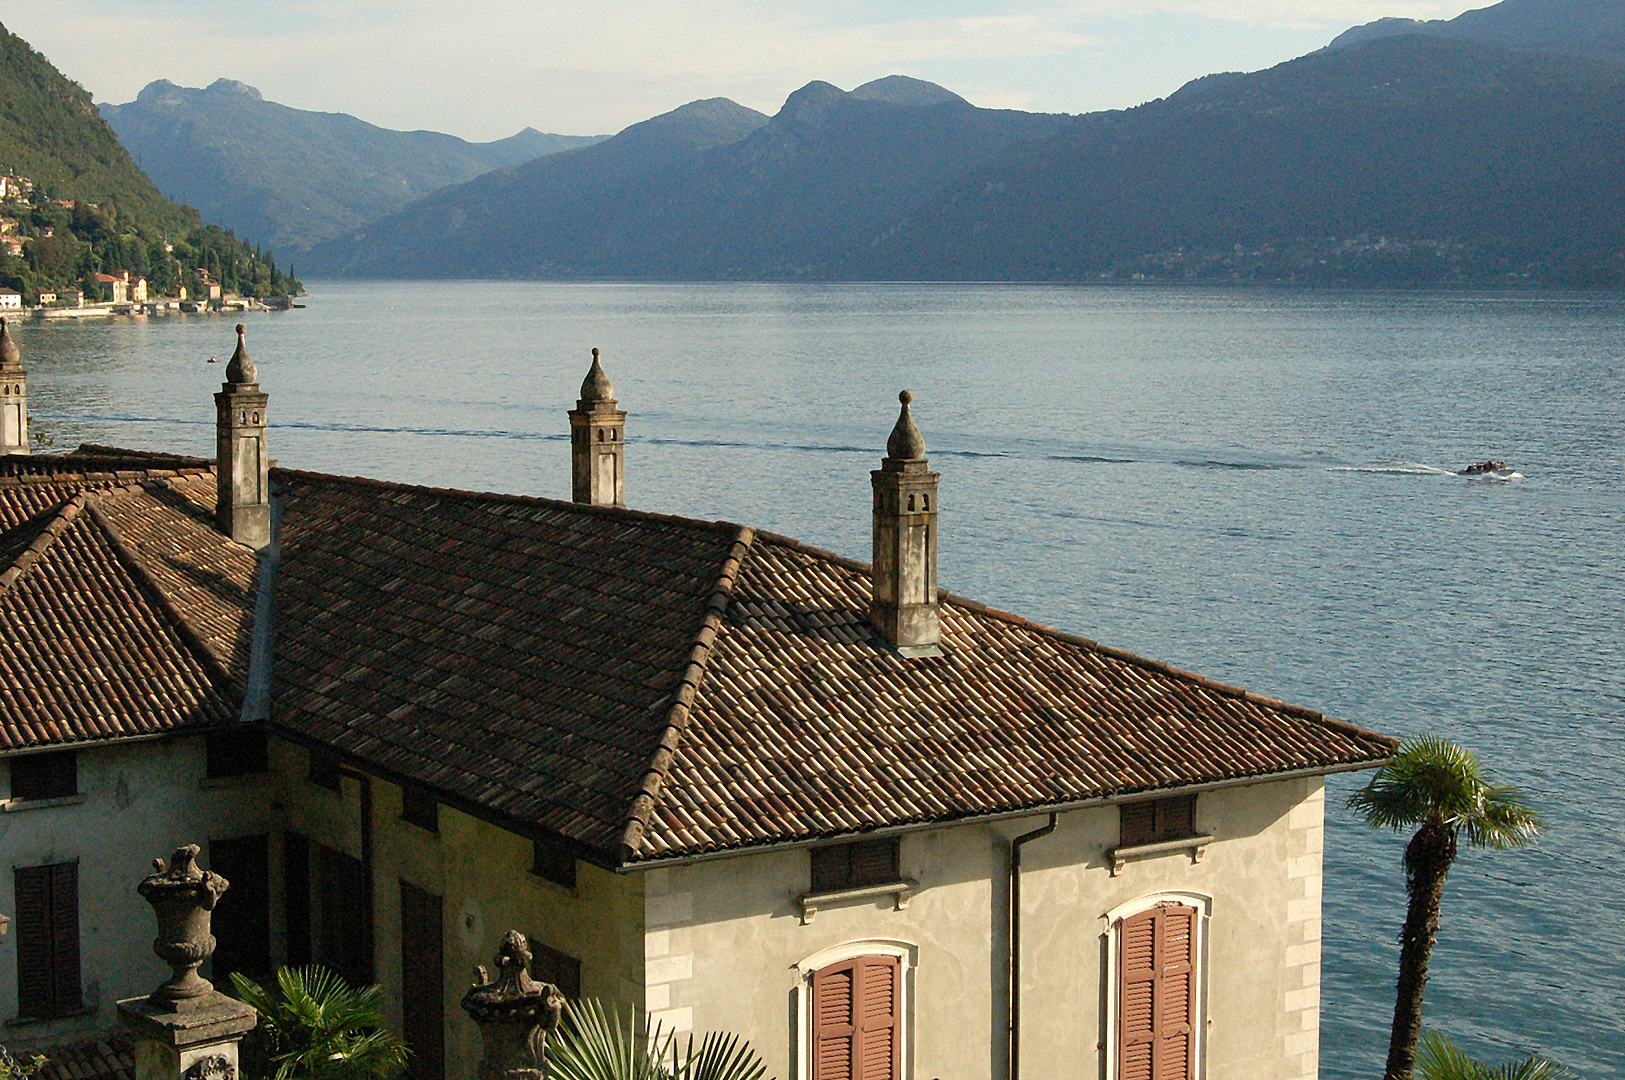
(185, 1029)
(197, 1044)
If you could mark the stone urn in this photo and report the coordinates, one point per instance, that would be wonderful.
(183, 897)
(515, 1013)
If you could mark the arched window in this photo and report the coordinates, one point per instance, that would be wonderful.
(854, 1012)
(1158, 967)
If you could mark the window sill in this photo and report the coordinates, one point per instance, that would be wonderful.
(1121, 856)
(901, 891)
(13, 806)
(212, 783)
(31, 1021)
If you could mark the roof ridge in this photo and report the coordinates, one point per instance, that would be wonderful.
(58, 524)
(699, 657)
(944, 596)
(219, 674)
(512, 499)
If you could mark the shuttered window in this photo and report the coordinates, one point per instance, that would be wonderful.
(548, 965)
(1156, 984)
(855, 1005)
(854, 865)
(48, 940)
(45, 776)
(235, 751)
(1156, 821)
(423, 981)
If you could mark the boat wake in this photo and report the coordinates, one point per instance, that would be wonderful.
(1403, 468)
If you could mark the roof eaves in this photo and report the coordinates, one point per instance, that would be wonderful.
(654, 778)
(219, 675)
(683, 857)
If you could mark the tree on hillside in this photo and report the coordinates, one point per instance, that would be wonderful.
(1439, 788)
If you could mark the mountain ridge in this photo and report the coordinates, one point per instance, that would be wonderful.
(788, 190)
(289, 178)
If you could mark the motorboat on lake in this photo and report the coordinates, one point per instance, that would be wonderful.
(1497, 470)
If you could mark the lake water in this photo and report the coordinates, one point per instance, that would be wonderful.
(1249, 484)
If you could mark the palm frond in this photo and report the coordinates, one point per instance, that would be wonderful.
(722, 1056)
(592, 1044)
(1431, 778)
(1439, 1057)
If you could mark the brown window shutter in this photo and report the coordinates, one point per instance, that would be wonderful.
(1155, 985)
(33, 884)
(834, 1026)
(856, 1035)
(1137, 823)
(877, 1018)
(65, 936)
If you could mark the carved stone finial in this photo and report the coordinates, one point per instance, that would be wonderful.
(11, 358)
(596, 389)
(906, 443)
(182, 896)
(515, 1013)
(241, 370)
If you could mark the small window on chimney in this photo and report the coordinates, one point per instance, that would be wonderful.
(553, 864)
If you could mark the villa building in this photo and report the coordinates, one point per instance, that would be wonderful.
(882, 831)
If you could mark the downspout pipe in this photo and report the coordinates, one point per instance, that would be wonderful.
(1013, 1040)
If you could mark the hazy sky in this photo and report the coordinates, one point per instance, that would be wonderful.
(483, 69)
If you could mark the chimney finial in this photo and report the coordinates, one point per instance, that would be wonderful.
(13, 396)
(11, 358)
(906, 442)
(903, 606)
(596, 389)
(241, 370)
(597, 449)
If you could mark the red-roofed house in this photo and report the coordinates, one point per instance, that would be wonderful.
(712, 773)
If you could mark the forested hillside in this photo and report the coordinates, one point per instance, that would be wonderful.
(91, 209)
(289, 178)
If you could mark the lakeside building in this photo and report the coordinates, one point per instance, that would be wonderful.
(882, 831)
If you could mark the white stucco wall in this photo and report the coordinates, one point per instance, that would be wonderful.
(140, 801)
(724, 939)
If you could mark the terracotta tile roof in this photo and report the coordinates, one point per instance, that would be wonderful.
(110, 1057)
(636, 685)
(647, 686)
(805, 726)
(517, 653)
(125, 612)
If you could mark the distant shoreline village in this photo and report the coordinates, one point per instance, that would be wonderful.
(56, 251)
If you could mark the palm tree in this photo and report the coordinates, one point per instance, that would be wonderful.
(1438, 787)
(322, 1029)
(591, 1044)
(1442, 1059)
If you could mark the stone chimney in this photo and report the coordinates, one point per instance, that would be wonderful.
(13, 396)
(904, 606)
(243, 499)
(597, 453)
